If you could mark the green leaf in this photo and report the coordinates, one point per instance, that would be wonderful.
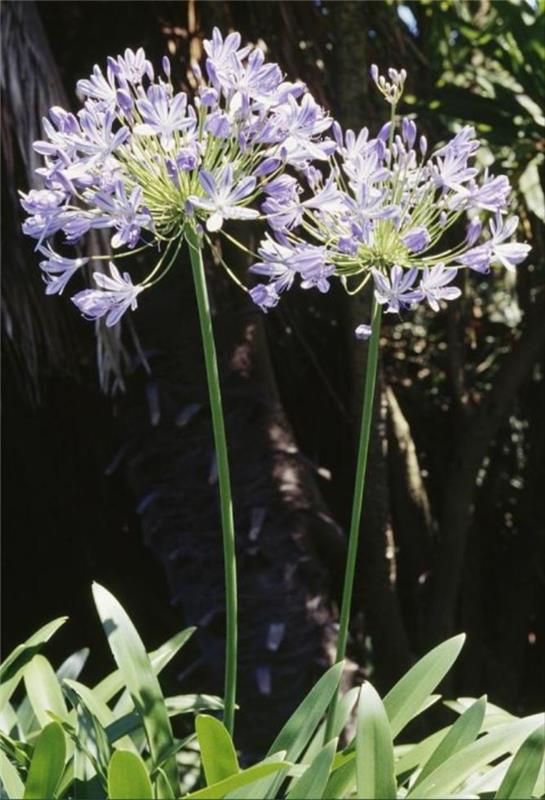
(47, 763)
(11, 782)
(460, 766)
(312, 784)
(464, 731)
(298, 730)
(43, 690)
(93, 748)
(531, 189)
(296, 733)
(135, 667)
(70, 668)
(259, 788)
(343, 710)
(102, 712)
(375, 776)
(522, 775)
(234, 782)
(420, 752)
(408, 697)
(128, 778)
(113, 683)
(12, 668)
(219, 759)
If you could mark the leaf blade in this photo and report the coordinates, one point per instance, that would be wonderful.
(218, 756)
(128, 778)
(375, 777)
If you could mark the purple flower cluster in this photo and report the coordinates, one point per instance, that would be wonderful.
(381, 211)
(144, 161)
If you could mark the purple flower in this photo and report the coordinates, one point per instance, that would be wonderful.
(395, 289)
(163, 116)
(452, 171)
(298, 125)
(58, 270)
(99, 88)
(114, 297)
(222, 198)
(477, 258)
(310, 261)
(219, 125)
(417, 239)
(221, 54)
(508, 254)
(133, 66)
(264, 296)
(124, 213)
(433, 286)
(277, 263)
(491, 195)
(473, 231)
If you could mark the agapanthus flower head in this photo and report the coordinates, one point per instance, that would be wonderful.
(144, 161)
(379, 211)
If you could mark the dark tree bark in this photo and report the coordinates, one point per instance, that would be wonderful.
(280, 519)
(470, 450)
(383, 618)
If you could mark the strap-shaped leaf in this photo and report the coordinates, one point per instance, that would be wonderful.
(9, 777)
(140, 679)
(457, 769)
(43, 690)
(312, 784)
(234, 782)
(47, 763)
(12, 667)
(113, 683)
(128, 778)
(524, 770)
(464, 731)
(410, 694)
(218, 756)
(375, 776)
(298, 730)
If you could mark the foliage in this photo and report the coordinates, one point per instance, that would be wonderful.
(64, 739)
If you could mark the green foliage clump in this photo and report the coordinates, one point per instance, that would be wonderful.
(64, 739)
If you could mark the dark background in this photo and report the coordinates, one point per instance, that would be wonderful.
(118, 487)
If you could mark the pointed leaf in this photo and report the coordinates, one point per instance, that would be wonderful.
(113, 683)
(128, 778)
(299, 729)
(409, 695)
(11, 782)
(257, 788)
(374, 748)
(522, 775)
(296, 733)
(140, 679)
(464, 731)
(11, 670)
(47, 763)
(219, 759)
(312, 784)
(231, 784)
(460, 766)
(43, 689)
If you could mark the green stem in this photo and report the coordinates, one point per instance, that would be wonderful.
(218, 425)
(359, 486)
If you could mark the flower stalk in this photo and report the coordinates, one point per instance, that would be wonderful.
(359, 487)
(224, 481)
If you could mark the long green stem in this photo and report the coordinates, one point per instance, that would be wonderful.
(218, 425)
(359, 486)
